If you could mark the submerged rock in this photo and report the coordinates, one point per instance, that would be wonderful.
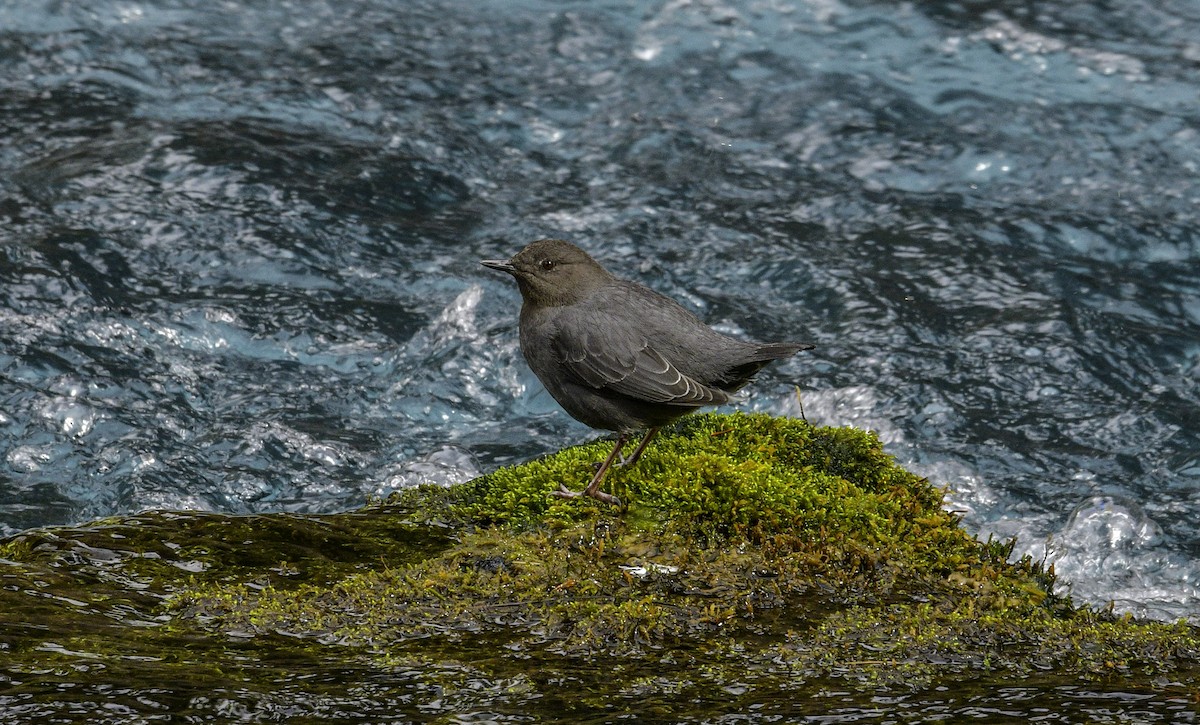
(760, 560)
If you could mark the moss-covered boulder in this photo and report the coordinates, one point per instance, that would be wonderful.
(761, 562)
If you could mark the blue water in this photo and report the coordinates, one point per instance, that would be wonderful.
(239, 244)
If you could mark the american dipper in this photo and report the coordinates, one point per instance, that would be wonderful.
(619, 356)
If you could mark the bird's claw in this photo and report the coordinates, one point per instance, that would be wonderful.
(608, 498)
(564, 492)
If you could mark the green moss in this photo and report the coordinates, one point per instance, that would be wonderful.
(757, 555)
(730, 519)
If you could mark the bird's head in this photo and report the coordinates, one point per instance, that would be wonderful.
(553, 273)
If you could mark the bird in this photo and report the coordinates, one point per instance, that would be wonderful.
(618, 356)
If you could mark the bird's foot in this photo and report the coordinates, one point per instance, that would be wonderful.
(564, 492)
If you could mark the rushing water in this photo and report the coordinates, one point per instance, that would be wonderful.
(239, 244)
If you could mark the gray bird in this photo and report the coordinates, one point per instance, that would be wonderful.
(619, 356)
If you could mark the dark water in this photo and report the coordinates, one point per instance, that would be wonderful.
(239, 244)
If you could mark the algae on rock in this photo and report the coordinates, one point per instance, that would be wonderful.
(809, 542)
(755, 551)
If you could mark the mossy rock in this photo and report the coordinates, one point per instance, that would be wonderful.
(758, 559)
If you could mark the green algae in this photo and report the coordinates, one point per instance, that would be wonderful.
(757, 556)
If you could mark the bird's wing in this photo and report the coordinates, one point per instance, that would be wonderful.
(625, 362)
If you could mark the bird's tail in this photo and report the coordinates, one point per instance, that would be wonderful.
(780, 350)
(758, 358)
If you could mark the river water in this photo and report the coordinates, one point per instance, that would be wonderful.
(239, 245)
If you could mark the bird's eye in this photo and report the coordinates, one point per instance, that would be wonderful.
(547, 264)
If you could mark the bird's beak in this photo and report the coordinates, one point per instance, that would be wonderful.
(501, 264)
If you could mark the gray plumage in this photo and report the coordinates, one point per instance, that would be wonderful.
(617, 355)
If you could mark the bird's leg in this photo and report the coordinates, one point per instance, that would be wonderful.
(593, 488)
(637, 452)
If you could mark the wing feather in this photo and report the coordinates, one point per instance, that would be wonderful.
(625, 362)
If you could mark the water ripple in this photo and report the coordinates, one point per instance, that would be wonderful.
(238, 250)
